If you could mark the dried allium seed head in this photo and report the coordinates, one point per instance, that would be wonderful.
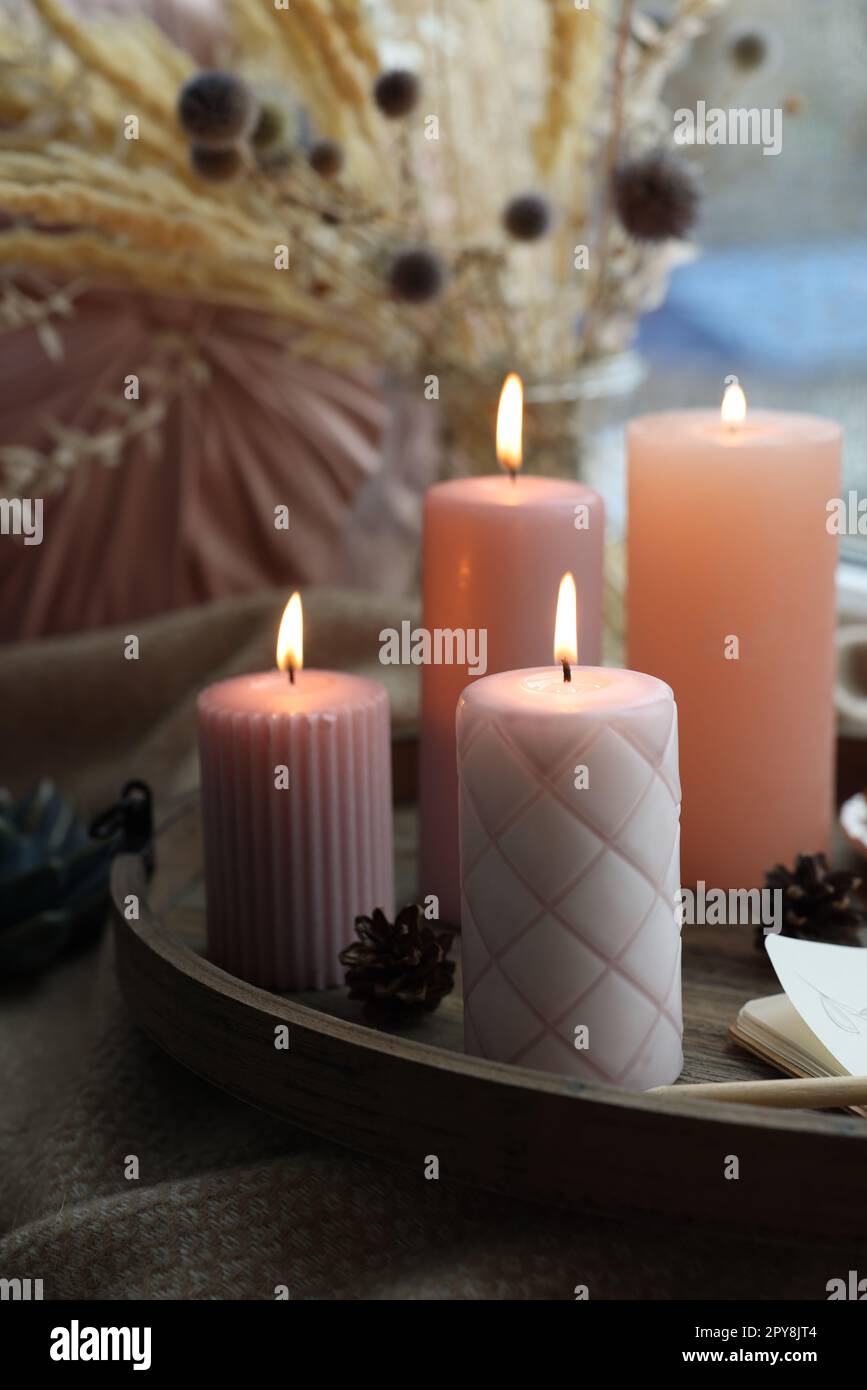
(416, 275)
(656, 197)
(396, 93)
(326, 157)
(749, 50)
(527, 217)
(216, 164)
(217, 108)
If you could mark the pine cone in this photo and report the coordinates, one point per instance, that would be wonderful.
(400, 965)
(815, 900)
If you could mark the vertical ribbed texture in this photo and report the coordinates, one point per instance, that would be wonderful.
(287, 871)
(568, 907)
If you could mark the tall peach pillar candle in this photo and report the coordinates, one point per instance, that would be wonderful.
(731, 601)
(296, 801)
(494, 549)
(569, 801)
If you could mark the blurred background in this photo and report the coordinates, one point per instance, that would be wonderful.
(778, 294)
(769, 283)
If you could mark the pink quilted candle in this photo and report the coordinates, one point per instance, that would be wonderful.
(296, 801)
(569, 813)
(494, 550)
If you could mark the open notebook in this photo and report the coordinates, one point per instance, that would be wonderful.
(819, 1026)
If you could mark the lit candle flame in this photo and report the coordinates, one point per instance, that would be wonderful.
(510, 424)
(734, 405)
(566, 626)
(290, 638)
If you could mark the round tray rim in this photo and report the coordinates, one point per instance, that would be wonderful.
(399, 1098)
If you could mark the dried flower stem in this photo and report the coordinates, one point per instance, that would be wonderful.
(611, 155)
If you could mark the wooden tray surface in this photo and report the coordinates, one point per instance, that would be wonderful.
(403, 1094)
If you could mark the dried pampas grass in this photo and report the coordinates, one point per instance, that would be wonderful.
(531, 99)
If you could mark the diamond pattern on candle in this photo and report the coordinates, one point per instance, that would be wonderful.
(603, 757)
(495, 887)
(652, 954)
(501, 1016)
(603, 1008)
(607, 901)
(544, 963)
(558, 847)
(645, 837)
(568, 909)
(501, 792)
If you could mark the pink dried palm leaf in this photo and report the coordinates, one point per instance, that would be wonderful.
(245, 428)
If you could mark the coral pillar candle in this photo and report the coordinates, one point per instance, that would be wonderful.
(296, 801)
(494, 551)
(569, 803)
(731, 601)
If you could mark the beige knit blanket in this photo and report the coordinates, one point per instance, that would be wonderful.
(230, 1203)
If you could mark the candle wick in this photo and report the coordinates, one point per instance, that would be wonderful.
(567, 671)
(291, 674)
(513, 474)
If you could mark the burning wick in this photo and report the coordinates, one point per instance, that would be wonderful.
(733, 410)
(566, 626)
(290, 639)
(510, 426)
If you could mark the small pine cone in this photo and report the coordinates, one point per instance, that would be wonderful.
(217, 108)
(656, 197)
(815, 899)
(399, 966)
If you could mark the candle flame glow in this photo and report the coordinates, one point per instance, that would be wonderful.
(733, 410)
(510, 424)
(290, 638)
(566, 624)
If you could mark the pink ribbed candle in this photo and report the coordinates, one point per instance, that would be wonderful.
(289, 868)
(569, 806)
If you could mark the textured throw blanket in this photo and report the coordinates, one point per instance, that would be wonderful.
(230, 1203)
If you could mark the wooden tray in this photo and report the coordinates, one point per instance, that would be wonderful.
(404, 1095)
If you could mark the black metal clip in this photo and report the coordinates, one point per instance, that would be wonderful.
(130, 820)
